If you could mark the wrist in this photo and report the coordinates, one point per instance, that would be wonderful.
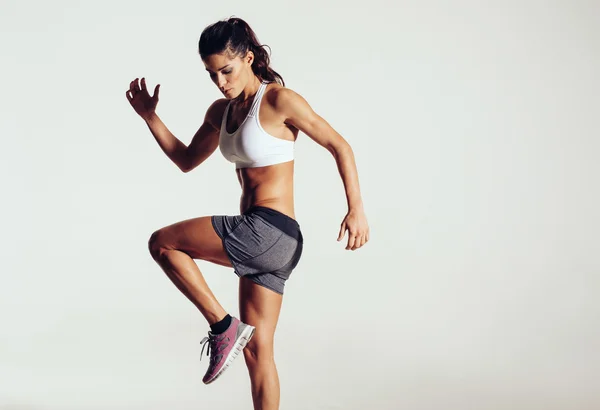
(149, 118)
(356, 206)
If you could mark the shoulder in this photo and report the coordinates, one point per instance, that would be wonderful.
(285, 100)
(278, 95)
(214, 113)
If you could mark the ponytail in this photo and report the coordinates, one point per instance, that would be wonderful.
(235, 36)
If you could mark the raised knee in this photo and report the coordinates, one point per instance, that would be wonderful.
(155, 245)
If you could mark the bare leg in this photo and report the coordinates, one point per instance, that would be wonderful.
(174, 248)
(260, 308)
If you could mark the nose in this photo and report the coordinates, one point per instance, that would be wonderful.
(221, 82)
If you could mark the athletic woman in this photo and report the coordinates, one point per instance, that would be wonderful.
(255, 127)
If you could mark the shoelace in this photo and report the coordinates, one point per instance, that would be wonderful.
(204, 343)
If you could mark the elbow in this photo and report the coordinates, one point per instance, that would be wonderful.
(340, 149)
(183, 162)
(186, 167)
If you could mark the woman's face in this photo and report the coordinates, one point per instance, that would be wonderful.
(229, 75)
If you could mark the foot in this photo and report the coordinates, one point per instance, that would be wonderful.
(225, 347)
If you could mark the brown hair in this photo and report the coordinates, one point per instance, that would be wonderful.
(235, 36)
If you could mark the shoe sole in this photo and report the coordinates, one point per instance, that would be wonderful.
(239, 345)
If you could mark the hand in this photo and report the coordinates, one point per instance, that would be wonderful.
(140, 100)
(358, 229)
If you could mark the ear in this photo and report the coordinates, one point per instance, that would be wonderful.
(249, 57)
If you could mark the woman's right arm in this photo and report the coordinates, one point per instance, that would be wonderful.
(206, 139)
(204, 142)
(171, 146)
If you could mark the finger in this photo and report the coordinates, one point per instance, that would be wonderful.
(129, 96)
(144, 84)
(342, 231)
(358, 243)
(351, 240)
(132, 86)
(363, 240)
(156, 89)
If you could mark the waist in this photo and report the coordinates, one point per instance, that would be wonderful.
(271, 187)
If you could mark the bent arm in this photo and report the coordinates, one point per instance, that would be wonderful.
(203, 144)
(171, 146)
(298, 113)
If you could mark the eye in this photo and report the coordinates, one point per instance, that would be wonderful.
(228, 71)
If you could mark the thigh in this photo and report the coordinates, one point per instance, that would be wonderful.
(195, 237)
(260, 308)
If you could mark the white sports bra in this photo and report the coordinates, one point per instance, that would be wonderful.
(250, 146)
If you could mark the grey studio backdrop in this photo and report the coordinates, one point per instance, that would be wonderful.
(475, 129)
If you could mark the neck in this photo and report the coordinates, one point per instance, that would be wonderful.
(249, 91)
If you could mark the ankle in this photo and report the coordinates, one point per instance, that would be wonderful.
(221, 326)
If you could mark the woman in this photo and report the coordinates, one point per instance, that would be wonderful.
(264, 243)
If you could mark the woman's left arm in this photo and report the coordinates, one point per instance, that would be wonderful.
(298, 113)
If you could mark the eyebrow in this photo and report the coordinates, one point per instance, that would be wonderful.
(219, 68)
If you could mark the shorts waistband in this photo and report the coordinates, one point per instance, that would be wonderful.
(280, 220)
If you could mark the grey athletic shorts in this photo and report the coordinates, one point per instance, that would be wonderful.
(262, 244)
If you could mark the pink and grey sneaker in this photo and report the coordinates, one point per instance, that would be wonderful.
(225, 347)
